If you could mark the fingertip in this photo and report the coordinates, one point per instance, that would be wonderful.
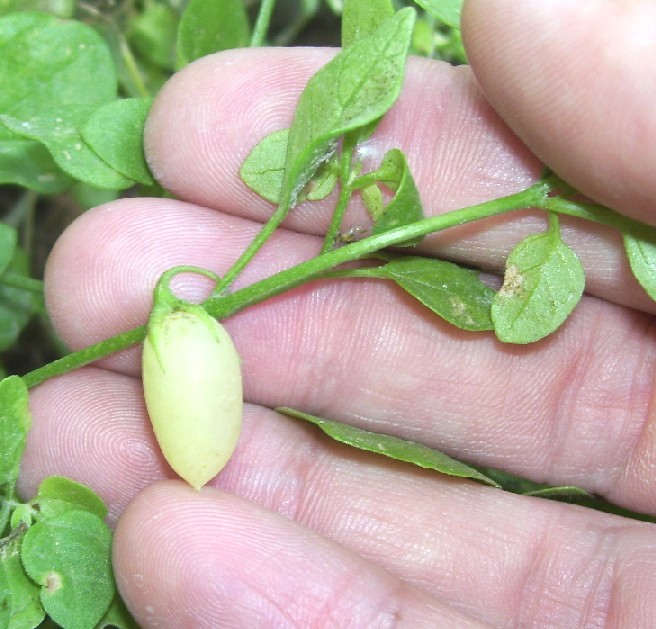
(186, 558)
(575, 81)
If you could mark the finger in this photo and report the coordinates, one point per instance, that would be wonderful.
(575, 80)
(549, 563)
(209, 116)
(363, 352)
(210, 559)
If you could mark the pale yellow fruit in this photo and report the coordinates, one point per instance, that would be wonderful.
(193, 391)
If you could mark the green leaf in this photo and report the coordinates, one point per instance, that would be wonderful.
(61, 135)
(543, 282)
(8, 240)
(115, 133)
(209, 26)
(69, 557)
(564, 491)
(405, 207)
(27, 163)
(152, 34)
(392, 447)
(60, 8)
(264, 167)
(450, 291)
(447, 11)
(57, 495)
(15, 423)
(361, 18)
(642, 258)
(16, 304)
(47, 64)
(353, 90)
(20, 607)
(118, 616)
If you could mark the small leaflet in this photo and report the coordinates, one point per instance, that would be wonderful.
(69, 556)
(57, 494)
(405, 206)
(264, 167)
(391, 447)
(543, 282)
(450, 291)
(642, 258)
(115, 132)
(209, 26)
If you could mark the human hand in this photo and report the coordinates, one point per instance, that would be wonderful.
(297, 530)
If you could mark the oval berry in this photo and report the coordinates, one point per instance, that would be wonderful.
(193, 391)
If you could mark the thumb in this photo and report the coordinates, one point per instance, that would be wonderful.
(576, 81)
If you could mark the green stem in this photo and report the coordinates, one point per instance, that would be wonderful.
(343, 201)
(132, 68)
(262, 23)
(269, 227)
(599, 214)
(221, 306)
(16, 280)
(85, 356)
(225, 305)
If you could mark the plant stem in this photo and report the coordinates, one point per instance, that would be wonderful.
(262, 23)
(83, 357)
(225, 305)
(15, 280)
(343, 201)
(222, 306)
(599, 214)
(269, 227)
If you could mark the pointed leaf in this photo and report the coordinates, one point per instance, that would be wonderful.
(642, 258)
(392, 447)
(405, 207)
(115, 133)
(20, 607)
(564, 491)
(360, 18)
(69, 556)
(447, 11)
(15, 423)
(354, 89)
(455, 294)
(543, 282)
(209, 26)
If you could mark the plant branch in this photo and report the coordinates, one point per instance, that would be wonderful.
(262, 23)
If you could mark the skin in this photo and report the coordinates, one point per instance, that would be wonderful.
(298, 531)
